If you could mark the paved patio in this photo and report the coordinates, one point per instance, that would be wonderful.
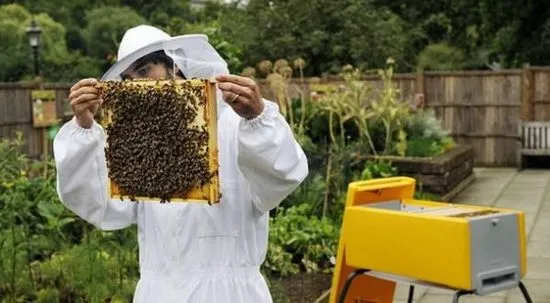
(528, 191)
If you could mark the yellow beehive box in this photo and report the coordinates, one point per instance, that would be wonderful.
(161, 140)
(481, 249)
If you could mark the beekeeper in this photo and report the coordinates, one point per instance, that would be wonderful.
(188, 252)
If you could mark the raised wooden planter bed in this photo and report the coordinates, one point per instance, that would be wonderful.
(445, 175)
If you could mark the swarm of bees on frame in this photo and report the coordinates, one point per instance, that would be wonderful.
(153, 147)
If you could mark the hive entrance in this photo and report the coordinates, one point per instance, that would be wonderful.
(161, 140)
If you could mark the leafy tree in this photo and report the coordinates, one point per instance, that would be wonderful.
(231, 53)
(57, 63)
(441, 56)
(327, 34)
(518, 31)
(506, 32)
(105, 27)
(161, 12)
(14, 53)
(69, 13)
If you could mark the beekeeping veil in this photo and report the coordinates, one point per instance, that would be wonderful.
(192, 54)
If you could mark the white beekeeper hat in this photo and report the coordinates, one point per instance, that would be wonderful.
(192, 54)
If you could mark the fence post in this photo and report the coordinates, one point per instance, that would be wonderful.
(527, 93)
(420, 97)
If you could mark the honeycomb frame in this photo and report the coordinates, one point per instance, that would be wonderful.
(208, 193)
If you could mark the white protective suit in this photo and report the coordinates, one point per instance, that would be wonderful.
(191, 252)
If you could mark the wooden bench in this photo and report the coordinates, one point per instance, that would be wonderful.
(533, 140)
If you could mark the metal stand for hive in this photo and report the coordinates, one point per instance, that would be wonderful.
(458, 293)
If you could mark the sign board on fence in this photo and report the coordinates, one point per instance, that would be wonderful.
(44, 112)
(67, 109)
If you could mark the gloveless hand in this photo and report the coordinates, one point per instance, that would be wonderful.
(85, 101)
(242, 94)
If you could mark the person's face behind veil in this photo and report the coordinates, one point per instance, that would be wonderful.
(155, 66)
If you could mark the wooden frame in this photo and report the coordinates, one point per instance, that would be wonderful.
(209, 193)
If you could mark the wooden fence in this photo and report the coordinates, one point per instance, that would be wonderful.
(479, 108)
(16, 114)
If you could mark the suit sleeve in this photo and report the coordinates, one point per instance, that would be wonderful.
(270, 158)
(82, 178)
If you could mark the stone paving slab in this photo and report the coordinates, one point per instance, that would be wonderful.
(538, 249)
(538, 289)
(528, 191)
(540, 234)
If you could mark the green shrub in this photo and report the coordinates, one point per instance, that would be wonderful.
(47, 254)
(378, 169)
(426, 135)
(299, 241)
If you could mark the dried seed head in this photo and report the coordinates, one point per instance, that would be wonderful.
(279, 64)
(286, 72)
(249, 72)
(265, 67)
(299, 63)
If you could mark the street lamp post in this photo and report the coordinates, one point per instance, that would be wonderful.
(33, 33)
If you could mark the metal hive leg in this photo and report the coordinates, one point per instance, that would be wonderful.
(411, 294)
(345, 289)
(524, 292)
(456, 296)
(459, 294)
